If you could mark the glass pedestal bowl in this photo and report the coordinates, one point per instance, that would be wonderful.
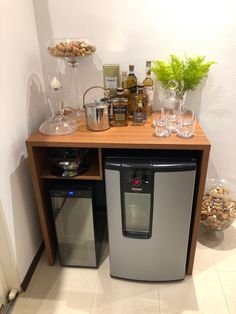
(71, 49)
(218, 210)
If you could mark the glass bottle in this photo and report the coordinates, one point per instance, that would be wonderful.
(126, 92)
(131, 80)
(172, 103)
(140, 113)
(131, 85)
(123, 79)
(120, 108)
(148, 87)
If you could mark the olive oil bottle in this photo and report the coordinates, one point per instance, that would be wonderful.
(148, 87)
(126, 92)
(131, 80)
(131, 85)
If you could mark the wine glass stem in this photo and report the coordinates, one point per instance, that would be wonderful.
(75, 78)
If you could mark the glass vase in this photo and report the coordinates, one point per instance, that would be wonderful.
(181, 101)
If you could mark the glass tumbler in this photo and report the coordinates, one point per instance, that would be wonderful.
(160, 117)
(156, 115)
(172, 117)
(161, 126)
(186, 124)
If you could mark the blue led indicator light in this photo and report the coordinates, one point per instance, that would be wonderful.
(70, 193)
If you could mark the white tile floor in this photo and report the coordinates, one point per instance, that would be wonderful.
(211, 289)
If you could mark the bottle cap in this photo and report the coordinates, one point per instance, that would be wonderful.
(131, 67)
(119, 91)
(148, 63)
(140, 86)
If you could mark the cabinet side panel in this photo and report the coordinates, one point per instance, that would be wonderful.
(36, 161)
(197, 214)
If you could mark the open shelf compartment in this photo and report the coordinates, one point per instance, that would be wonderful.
(93, 159)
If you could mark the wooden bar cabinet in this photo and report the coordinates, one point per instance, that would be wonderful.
(138, 138)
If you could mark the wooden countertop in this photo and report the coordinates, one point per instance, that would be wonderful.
(121, 137)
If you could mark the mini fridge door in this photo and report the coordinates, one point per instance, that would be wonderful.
(73, 219)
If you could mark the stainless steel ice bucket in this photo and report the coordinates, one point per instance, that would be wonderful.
(97, 114)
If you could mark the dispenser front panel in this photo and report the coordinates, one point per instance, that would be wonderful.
(136, 201)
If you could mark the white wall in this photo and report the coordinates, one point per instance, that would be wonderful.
(131, 32)
(21, 111)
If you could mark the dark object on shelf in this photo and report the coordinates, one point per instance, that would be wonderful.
(68, 162)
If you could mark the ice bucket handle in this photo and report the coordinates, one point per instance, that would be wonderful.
(106, 91)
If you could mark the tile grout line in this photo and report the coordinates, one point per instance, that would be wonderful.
(218, 276)
(220, 269)
(212, 258)
(94, 292)
(159, 299)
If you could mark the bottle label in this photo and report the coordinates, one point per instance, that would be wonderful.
(148, 90)
(140, 104)
(120, 117)
(133, 89)
(120, 109)
(139, 117)
(110, 82)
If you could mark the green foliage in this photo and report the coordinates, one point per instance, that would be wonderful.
(187, 72)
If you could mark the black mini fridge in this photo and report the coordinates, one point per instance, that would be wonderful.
(149, 207)
(79, 224)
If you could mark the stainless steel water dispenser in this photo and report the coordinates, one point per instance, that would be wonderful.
(149, 206)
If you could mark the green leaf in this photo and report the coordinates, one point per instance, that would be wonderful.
(188, 72)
